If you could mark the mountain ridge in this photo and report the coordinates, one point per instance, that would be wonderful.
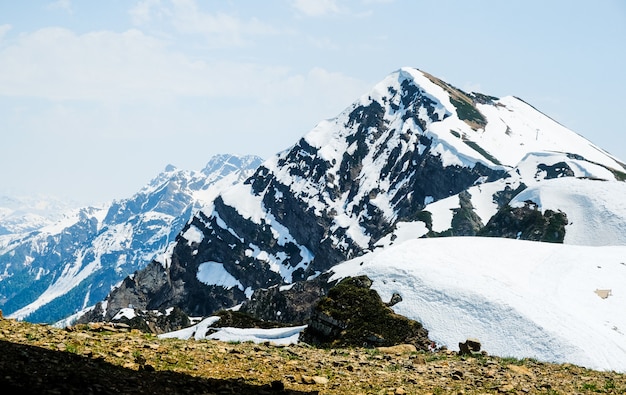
(69, 265)
(344, 186)
(412, 158)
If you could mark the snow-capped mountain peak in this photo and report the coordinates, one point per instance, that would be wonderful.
(354, 182)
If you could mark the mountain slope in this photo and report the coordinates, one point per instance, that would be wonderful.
(67, 266)
(355, 182)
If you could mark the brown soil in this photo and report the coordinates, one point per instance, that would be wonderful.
(100, 359)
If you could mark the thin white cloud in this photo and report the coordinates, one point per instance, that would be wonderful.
(4, 29)
(65, 5)
(144, 11)
(324, 43)
(185, 16)
(55, 63)
(58, 64)
(316, 8)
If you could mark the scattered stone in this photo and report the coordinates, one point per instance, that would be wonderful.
(313, 380)
(320, 380)
(395, 299)
(521, 370)
(470, 347)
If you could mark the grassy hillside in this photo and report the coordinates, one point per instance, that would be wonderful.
(101, 359)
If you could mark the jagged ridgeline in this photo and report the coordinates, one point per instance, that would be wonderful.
(55, 271)
(414, 157)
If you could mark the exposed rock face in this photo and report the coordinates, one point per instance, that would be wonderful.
(156, 322)
(292, 304)
(465, 221)
(527, 223)
(352, 314)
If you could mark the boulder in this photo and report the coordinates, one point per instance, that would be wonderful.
(353, 314)
(470, 347)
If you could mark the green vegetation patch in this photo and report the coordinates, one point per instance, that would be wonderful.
(527, 223)
(352, 314)
(481, 151)
(464, 104)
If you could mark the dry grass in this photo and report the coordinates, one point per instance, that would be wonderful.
(97, 359)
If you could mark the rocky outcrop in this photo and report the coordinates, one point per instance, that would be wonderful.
(470, 347)
(291, 304)
(465, 221)
(352, 314)
(527, 223)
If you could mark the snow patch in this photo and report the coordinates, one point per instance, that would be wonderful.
(214, 273)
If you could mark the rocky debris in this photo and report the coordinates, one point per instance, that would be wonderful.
(395, 299)
(97, 361)
(154, 321)
(470, 347)
(352, 314)
(399, 349)
(100, 327)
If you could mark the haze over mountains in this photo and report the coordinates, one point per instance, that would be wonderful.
(414, 157)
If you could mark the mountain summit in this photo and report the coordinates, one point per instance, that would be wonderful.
(414, 157)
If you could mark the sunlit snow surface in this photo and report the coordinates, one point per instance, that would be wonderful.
(213, 273)
(519, 298)
(596, 210)
(204, 330)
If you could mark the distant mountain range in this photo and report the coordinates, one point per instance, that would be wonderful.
(23, 214)
(52, 271)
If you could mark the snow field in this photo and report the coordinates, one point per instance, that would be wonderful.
(520, 298)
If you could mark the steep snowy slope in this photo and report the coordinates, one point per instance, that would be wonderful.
(50, 274)
(519, 298)
(409, 144)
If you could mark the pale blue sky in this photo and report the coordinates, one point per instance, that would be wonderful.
(97, 97)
